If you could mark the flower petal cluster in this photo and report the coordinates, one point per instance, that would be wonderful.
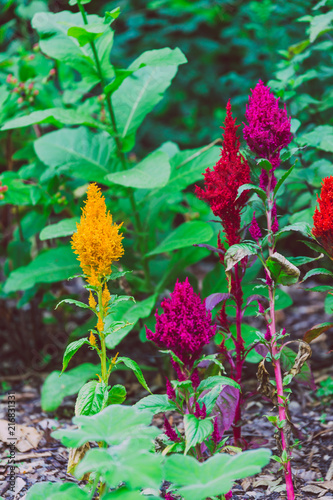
(222, 183)
(97, 241)
(323, 216)
(268, 129)
(185, 326)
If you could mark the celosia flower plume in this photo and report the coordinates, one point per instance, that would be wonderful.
(222, 183)
(185, 326)
(268, 129)
(97, 241)
(323, 216)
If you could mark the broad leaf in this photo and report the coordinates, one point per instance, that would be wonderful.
(156, 403)
(92, 398)
(215, 298)
(305, 377)
(211, 382)
(183, 236)
(251, 188)
(75, 302)
(317, 271)
(56, 491)
(152, 172)
(71, 349)
(65, 227)
(301, 227)
(282, 271)
(215, 476)
(78, 152)
(55, 389)
(320, 24)
(60, 264)
(117, 394)
(196, 430)
(113, 425)
(225, 408)
(139, 94)
(237, 252)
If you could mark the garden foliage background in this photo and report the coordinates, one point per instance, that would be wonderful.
(59, 136)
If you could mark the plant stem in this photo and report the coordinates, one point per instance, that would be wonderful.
(239, 345)
(275, 350)
(122, 157)
(102, 339)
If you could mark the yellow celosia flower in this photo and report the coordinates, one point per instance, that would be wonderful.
(97, 241)
(100, 323)
(105, 297)
(92, 339)
(92, 301)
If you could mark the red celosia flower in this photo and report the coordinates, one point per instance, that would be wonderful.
(254, 229)
(323, 217)
(222, 183)
(185, 326)
(268, 130)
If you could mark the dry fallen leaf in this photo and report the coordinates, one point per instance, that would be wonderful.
(27, 437)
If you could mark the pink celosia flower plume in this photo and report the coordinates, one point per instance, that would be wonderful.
(268, 129)
(185, 326)
(222, 183)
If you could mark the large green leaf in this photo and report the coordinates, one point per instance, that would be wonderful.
(92, 398)
(138, 94)
(55, 264)
(215, 476)
(196, 430)
(150, 173)
(133, 365)
(185, 235)
(156, 403)
(321, 24)
(56, 491)
(79, 152)
(113, 425)
(56, 117)
(136, 468)
(321, 137)
(53, 30)
(56, 388)
(65, 227)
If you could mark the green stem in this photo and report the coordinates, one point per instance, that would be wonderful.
(102, 339)
(138, 224)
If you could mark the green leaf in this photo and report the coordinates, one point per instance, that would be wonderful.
(315, 272)
(211, 382)
(215, 476)
(152, 172)
(133, 365)
(75, 302)
(92, 398)
(264, 164)
(196, 430)
(301, 227)
(117, 394)
(138, 95)
(78, 152)
(56, 491)
(320, 24)
(300, 261)
(315, 331)
(74, 2)
(185, 235)
(65, 227)
(113, 425)
(282, 271)
(87, 34)
(71, 349)
(59, 262)
(288, 357)
(156, 403)
(54, 116)
(237, 252)
(55, 389)
(316, 247)
(328, 304)
(126, 463)
(251, 188)
(125, 494)
(321, 137)
(282, 179)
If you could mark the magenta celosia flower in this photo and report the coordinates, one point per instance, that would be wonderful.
(168, 496)
(170, 390)
(254, 229)
(228, 495)
(169, 431)
(195, 379)
(200, 412)
(222, 183)
(185, 325)
(268, 129)
(269, 281)
(268, 334)
(216, 436)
